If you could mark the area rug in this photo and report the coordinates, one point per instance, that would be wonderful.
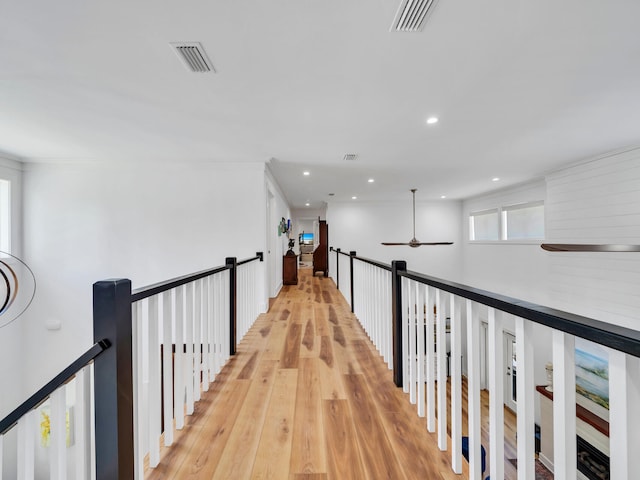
(541, 471)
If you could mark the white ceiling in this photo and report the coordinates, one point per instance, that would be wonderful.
(521, 88)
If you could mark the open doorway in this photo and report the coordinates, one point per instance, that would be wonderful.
(510, 373)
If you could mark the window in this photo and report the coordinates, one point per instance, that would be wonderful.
(5, 216)
(524, 221)
(484, 225)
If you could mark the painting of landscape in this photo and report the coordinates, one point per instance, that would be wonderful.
(592, 373)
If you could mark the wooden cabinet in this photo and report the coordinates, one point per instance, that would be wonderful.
(290, 270)
(321, 254)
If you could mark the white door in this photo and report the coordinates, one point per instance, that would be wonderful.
(271, 265)
(510, 363)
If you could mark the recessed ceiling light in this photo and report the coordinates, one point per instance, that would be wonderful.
(354, 198)
(306, 174)
(371, 180)
(307, 204)
(443, 196)
(331, 194)
(432, 120)
(495, 179)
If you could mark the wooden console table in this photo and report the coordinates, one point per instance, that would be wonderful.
(290, 269)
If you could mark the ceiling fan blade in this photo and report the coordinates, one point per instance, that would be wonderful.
(435, 243)
(575, 247)
(394, 243)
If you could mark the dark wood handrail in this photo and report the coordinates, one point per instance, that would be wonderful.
(151, 290)
(43, 394)
(614, 336)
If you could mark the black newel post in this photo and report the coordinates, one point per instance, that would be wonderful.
(396, 306)
(113, 380)
(232, 263)
(351, 256)
(260, 255)
(338, 268)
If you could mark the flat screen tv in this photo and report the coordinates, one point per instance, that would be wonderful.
(306, 238)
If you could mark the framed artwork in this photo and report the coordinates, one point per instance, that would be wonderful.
(592, 372)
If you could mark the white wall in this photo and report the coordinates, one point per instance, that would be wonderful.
(277, 244)
(11, 334)
(514, 268)
(596, 202)
(144, 222)
(363, 226)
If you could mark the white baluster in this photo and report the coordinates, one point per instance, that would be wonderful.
(205, 334)
(564, 405)
(82, 424)
(405, 321)
(456, 386)
(217, 322)
(139, 404)
(211, 321)
(189, 357)
(179, 366)
(431, 371)
(155, 392)
(2, 455)
(525, 386)
(496, 394)
(167, 370)
(412, 342)
(26, 446)
(624, 414)
(421, 332)
(226, 343)
(58, 434)
(388, 327)
(473, 394)
(441, 351)
(197, 339)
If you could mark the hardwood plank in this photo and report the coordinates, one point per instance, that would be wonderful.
(308, 339)
(331, 384)
(239, 454)
(343, 452)
(308, 434)
(377, 454)
(205, 449)
(308, 476)
(274, 449)
(291, 352)
(320, 314)
(249, 367)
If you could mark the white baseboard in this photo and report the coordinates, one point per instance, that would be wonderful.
(545, 461)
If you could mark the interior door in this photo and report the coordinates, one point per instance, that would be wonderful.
(510, 363)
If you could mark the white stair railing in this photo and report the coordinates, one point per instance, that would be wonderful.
(428, 329)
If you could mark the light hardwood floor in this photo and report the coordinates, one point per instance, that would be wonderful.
(306, 397)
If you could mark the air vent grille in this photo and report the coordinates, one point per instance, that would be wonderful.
(350, 157)
(411, 15)
(193, 57)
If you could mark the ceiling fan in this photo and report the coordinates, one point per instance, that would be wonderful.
(413, 242)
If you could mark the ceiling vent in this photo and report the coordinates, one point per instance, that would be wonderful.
(193, 56)
(411, 15)
(350, 157)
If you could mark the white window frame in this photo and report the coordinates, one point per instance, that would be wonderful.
(479, 213)
(502, 224)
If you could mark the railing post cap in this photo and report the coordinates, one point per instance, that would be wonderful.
(352, 253)
(399, 265)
